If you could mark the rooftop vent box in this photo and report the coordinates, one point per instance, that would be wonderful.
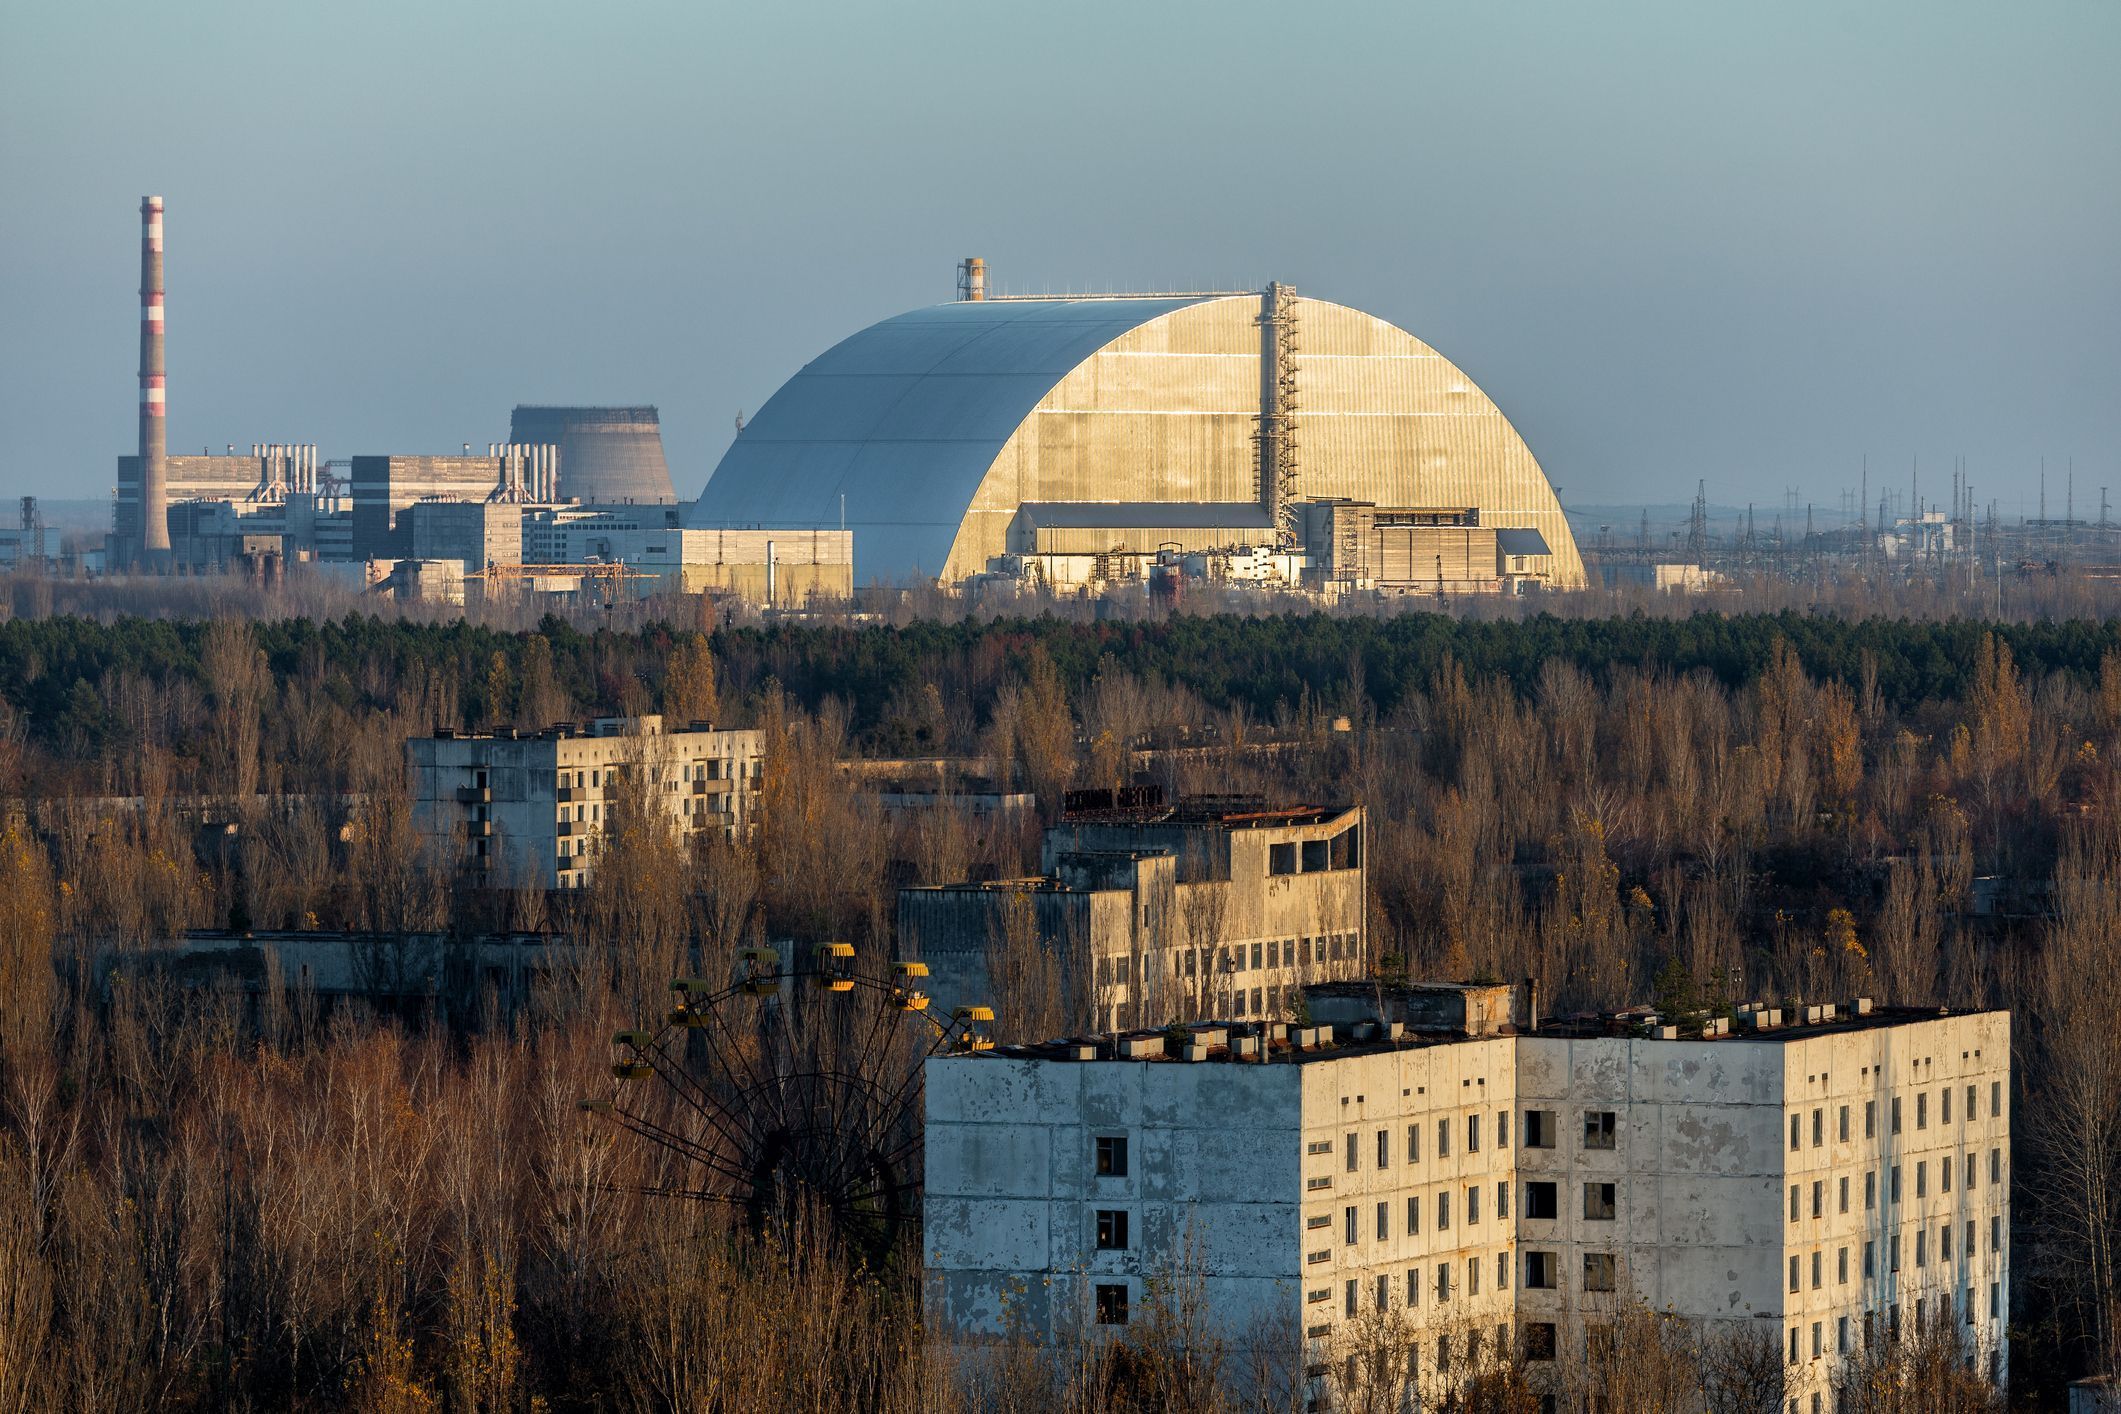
(1245, 1046)
(1141, 1047)
(1666, 1033)
(1862, 1007)
(1196, 1052)
(1082, 1052)
(1211, 1037)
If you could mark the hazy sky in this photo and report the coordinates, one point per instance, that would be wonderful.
(1742, 242)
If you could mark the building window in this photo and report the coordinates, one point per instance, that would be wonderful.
(1413, 1287)
(1995, 1166)
(1793, 1352)
(1502, 1129)
(1995, 1233)
(1541, 1200)
(1384, 1148)
(1539, 1341)
(1349, 1148)
(1944, 1105)
(1472, 1276)
(1795, 1211)
(1112, 1304)
(1870, 1190)
(1443, 1139)
(1599, 1272)
(1818, 1340)
(1796, 1133)
(1892, 1253)
(1443, 1281)
(1944, 1174)
(1818, 1268)
(1384, 1291)
(1541, 1271)
(1966, 1166)
(1443, 1211)
(1922, 1178)
(1895, 1186)
(1995, 1099)
(1922, 1109)
(1349, 1297)
(1599, 1201)
(1842, 1125)
(1896, 1114)
(1870, 1259)
(1599, 1129)
(1348, 1220)
(1384, 1221)
(1502, 1271)
(1539, 1129)
(1472, 1205)
(1413, 1143)
(1413, 1215)
(1844, 1193)
(1111, 1230)
(1841, 1266)
(1502, 1201)
(1795, 1284)
(1922, 1247)
(1818, 1128)
(1818, 1199)
(1995, 1299)
(1472, 1134)
(1281, 858)
(1111, 1156)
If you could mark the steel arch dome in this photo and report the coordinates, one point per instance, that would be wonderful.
(937, 425)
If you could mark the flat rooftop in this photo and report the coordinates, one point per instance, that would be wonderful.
(1273, 1042)
(1146, 805)
(570, 731)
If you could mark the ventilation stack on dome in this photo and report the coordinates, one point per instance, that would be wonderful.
(1084, 439)
(608, 456)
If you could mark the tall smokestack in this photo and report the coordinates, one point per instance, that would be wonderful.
(154, 442)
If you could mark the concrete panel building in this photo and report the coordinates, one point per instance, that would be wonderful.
(1210, 907)
(1816, 1180)
(475, 533)
(957, 436)
(531, 807)
(383, 486)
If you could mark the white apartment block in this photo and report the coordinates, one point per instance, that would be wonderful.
(1209, 907)
(1820, 1179)
(531, 807)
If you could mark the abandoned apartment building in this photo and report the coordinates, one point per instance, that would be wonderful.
(1821, 1177)
(529, 808)
(1213, 906)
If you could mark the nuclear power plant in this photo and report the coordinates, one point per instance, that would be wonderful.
(1076, 444)
(1086, 439)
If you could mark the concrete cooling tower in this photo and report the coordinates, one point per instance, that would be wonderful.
(608, 456)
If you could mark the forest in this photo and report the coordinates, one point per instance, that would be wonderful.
(205, 1204)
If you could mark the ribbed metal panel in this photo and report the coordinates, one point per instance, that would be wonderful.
(936, 426)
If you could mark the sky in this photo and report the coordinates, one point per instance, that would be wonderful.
(1745, 244)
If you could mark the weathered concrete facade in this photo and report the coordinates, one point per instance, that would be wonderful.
(1820, 1183)
(531, 807)
(1185, 912)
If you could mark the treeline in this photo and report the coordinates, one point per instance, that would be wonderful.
(85, 691)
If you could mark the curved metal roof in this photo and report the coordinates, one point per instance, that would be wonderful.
(904, 419)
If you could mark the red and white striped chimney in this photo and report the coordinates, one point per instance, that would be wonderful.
(154, 441)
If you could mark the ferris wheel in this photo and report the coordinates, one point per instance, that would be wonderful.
(791, 1088)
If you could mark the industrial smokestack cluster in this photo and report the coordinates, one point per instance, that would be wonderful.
(285, 468)
(530, 472)
(154, 439)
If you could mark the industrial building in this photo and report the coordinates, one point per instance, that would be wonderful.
(1830, 1175)
(1074, 440)
(770, 567)
(531, 807)
(1212, 906)
(386, 487)
(607, 456)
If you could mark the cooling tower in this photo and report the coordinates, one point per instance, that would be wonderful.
(608, 456)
